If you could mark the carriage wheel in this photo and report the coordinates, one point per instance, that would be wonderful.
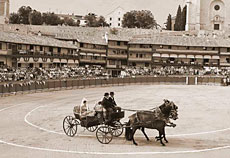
(117, 130)
(104, 134)
(92, 129)
(70, 126)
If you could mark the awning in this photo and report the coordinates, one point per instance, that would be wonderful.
(103, 55)
(190, 56)
(97, 55)
(165, 55)
(215, 57)
(182, 56)
(207, 57)
(156, 55)
(173, 56)
(199, 57)
(70, 61)
(63, 61)
(89, 54)
(56, 61)
(82, 53)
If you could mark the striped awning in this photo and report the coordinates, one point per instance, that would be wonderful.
(207, 57)
(103, 55)
(190, 56)
(165, 55)
(215, 57)
(156, 55)
(182, 56)
(56, 61)
(97, 55)
(71, 62)
(63, 61)
(199, 57)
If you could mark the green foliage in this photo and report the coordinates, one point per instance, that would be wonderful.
(14, 18)
(140, 19)
(169, 23)
(51, 19)
(180, 19)
(94, 21)
(35, 18)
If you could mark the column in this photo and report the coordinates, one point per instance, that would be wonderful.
(187, 26)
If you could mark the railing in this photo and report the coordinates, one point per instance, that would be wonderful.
(51, 85)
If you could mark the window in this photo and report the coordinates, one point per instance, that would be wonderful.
(125, 43)
(213, 48)
(119, 19)
(187, 47)
(110, 24)
(51, 49)
(217, 7)
(110, 19)
(169, 47)
(136, 55)
(41, 48)
(119, 24)
(31, 47)
(228, 60)
(216, 26)
(118, 43)
(228, 49)
(141, 55)
(9, 46)
(20, 47)
(59, 50)
(0, 46)
(111, 62)
(81, 45)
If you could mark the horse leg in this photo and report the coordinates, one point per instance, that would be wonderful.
(160, 137)
(143, 131)
(132, 136)
(165, 136)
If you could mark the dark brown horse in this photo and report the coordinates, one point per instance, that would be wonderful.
(156, 119)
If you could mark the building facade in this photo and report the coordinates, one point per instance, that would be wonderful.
(208, 15)
(114, 18)
(4, 11)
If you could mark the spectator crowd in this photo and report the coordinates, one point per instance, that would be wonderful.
(8, 74)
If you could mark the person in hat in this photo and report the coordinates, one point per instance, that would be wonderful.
(115, 107)
(107, 105)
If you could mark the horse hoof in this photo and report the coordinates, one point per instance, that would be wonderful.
(136, 144)
(163, 144)
(166, 142)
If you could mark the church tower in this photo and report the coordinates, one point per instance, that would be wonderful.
(208, 15)
(4, 11)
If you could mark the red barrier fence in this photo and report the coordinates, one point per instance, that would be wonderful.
(12, 88)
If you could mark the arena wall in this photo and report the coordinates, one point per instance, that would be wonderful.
(52, 85)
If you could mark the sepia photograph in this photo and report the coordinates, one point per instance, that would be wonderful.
(114, 78)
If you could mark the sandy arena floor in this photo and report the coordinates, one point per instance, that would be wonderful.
(31, 124)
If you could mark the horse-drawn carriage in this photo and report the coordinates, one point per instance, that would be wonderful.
(105, 129)
(157, 118)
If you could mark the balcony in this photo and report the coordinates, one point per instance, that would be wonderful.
(114, 56)
(5, 52)
(171, 51)
(89, 50)
(140, 49)
(140, 59)
(92, 61)
(118, 47)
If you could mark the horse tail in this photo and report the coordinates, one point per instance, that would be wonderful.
(128, 132)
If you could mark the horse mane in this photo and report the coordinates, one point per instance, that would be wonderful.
(165, 109)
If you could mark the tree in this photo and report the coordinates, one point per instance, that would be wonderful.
(94, 21)
(70, 22)
(35, 18)
(51, 19)
(140, 19)
(178, 21)
(24, 13)
(14, 18)
(183, 18)
(169, 23)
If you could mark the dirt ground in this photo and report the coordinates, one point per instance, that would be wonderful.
(31, 124)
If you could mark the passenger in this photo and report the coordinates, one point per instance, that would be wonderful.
(107, 105)
(83, 110)
(111, 98)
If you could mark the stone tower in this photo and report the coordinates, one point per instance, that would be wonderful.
(4, 11)
(208, 15)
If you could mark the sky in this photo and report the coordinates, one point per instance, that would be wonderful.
(160, 8)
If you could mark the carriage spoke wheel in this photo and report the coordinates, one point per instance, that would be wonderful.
(104, 134)
(117, 130)
(92, 129)
(70, 126)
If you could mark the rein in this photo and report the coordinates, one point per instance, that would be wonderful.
(137, 110)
